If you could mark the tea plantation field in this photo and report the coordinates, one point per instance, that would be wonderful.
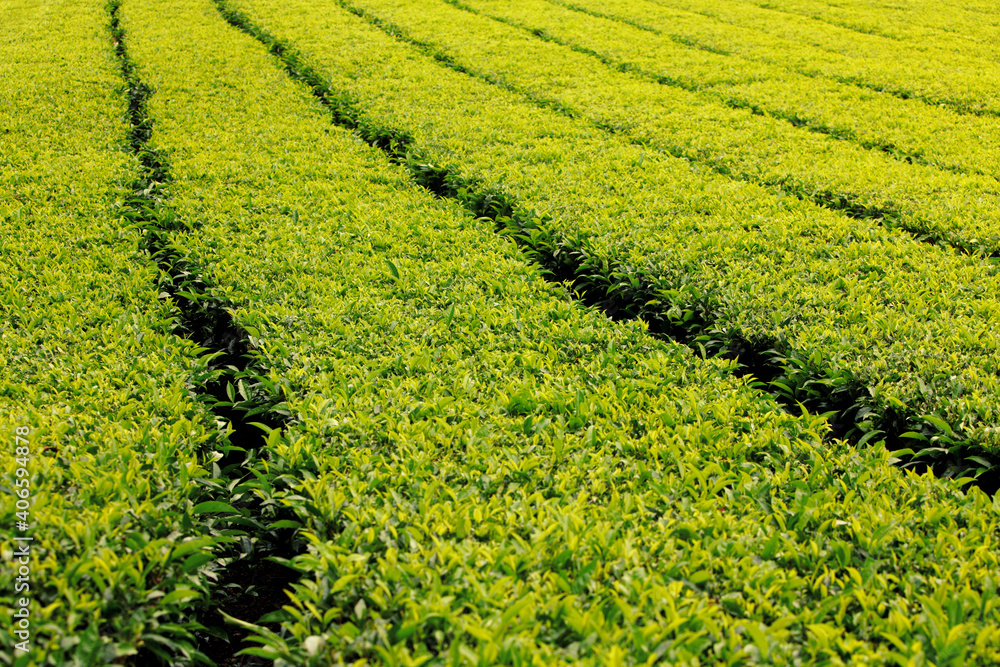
(476, 332)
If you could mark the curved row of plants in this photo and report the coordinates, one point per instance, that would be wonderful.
(839, 312)
(135, 394)
(484, 471)
(964, 82)
(120, 450)
(933, 27)
(932, 205)
(906, 130)
(487, 472)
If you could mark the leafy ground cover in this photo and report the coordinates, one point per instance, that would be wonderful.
(960, 81)
(919, 24)
(475, 459)
(907, 130)
(92, 376)
(722, 31)
(483, 470)
(945, 207)
(834, 300)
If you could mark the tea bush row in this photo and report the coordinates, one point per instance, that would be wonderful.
(937, 76)
(119, 449)
(950, 208)
(920, 25)
(908, 130)
(842, 303)
(488, 473)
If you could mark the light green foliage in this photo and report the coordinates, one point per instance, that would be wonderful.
(952, 208)
(489, 473)
(920, 26)
(485, 471)
(89, 364)
(764, 35)
(959, 80)
(846, 300)
(674, 550)
(909, 130)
